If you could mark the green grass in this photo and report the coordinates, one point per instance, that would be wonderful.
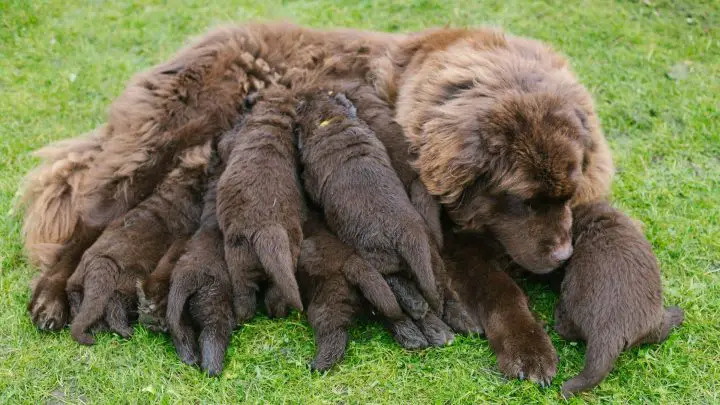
(62, 64)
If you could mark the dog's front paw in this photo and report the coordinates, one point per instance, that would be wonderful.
(528, 354)
(48, 306)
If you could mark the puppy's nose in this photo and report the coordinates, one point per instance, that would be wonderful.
(562, 252)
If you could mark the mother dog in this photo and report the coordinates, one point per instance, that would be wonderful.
(501, 131)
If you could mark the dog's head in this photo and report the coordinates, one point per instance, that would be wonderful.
(508, 144)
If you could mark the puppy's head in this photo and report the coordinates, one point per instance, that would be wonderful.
(322, 109)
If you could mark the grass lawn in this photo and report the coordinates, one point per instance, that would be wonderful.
(653, 67)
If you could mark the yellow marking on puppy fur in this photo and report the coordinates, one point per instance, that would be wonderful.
(327, 122)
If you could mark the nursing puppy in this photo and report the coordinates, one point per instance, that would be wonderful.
(260, 206)
(611, 295)
(332, 278)
(199, 304)
(348, 173)
(378, 115)
(102, 289)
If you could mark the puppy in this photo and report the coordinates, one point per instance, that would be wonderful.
(611, 295)
(348, 173)
(103, 286)
(378, 115)
(199, 313)
(332, 277)
(260, 206)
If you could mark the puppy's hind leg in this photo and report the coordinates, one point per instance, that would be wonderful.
(241, 262)
(330, 315)
(272, 246)
(212, 308)
(410, 299)
(414, 247)
(373, 286)
(98, 285)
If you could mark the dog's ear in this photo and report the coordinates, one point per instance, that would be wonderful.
(447, 164)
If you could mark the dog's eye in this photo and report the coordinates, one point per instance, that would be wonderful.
(514, 205)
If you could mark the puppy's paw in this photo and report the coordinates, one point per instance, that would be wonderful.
(408, 335)
(435, 330)
(408, 296)
(528, 354)
(48, 306)
(275, 303)
(460, 320)
(151, 310)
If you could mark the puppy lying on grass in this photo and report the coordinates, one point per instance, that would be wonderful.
(328, 273)
(199, 313)
(102, 291)
(378, 115)
(260, 205)
(611, 295)
(348, 173)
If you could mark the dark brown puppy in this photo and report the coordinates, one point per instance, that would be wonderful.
(347, 171)
(104, 285)
(611, 296)
(199, 304)
(260, 205)
(332, 277)
(378, 115)
(478, 269)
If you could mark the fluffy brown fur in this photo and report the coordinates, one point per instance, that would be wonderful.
(331, 278)
(199, 304)
(478, 270)
(103, 286)
(346, 170)
(184, 101)
(611, 295)
(504, 135)
(260, 205)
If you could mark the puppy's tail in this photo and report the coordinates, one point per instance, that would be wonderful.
(272, 246)
(372, 285)
(672, 317)
(101, 274)
(414, 247)
(601, 352)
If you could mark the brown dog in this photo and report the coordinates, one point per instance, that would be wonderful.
(103, 287)
(611, 295)
(348, 173)
(260, 205)
(199, 304)
(331, 278)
